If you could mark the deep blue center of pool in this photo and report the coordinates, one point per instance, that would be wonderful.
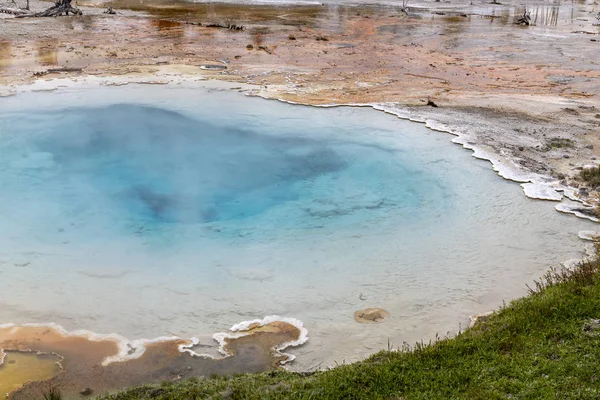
(165, 167)
(153, 166)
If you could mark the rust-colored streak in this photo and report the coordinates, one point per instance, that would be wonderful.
(82, 358)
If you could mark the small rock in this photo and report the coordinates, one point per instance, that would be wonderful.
(431, 103)
(590, 146)
(86, 392)
(249, 47)
(570, 111)
(521, 148)
(371, 315)
(584, 192)
(479, 318)
(566, 156)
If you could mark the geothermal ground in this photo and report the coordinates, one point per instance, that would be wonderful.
(525, 95)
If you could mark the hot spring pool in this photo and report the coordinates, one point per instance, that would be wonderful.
(151, 211)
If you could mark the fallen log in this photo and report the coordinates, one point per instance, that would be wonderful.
(60, 7)
(65, 69)
(57, 70)
(265, 49)
(13, 11)
(231, 27)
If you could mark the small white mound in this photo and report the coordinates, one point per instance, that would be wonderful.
(588, 235)
(571, 194)
(571, 263)
(575, 210)
(541, 191)
(590, 251)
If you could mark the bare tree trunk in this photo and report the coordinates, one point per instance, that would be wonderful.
(27, 7)
(60, 7)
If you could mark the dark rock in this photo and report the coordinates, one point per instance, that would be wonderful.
(86, 392)
(571, 111)
(590, 146)
(214, 67)
(431, 103)
(592, 327)
(521, 148)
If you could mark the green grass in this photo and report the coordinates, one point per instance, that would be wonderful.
(558, 143)
(543, 346)
(591, 176)
(53, 394)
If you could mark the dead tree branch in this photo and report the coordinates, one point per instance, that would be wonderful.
(525, 19)
(231, 27)
(13, 11)
(404, 8)
(60, 7)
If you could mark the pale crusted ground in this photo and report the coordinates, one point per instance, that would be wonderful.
(513, 89)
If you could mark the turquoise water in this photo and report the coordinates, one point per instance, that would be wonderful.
(150, 211)
(144, 167)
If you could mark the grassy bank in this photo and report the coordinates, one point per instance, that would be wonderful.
(546, 345)
(543, 346)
